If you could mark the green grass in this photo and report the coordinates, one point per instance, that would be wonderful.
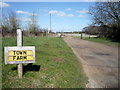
(56, 66)
(102, 40)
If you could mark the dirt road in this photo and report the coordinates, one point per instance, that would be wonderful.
(100, 62)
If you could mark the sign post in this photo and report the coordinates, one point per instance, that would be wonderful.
(19, 44)
(19, 54)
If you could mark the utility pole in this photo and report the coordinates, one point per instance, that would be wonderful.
(50, 21)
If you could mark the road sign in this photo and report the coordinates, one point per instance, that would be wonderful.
(17, 55)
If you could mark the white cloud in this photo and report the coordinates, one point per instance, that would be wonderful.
(23, 12)
(53, 12)
(70, 15)
(81, 16)
(2, 4)
(24, 19)
(58, 13)
(68, 9)
(82, 11)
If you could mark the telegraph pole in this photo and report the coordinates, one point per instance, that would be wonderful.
(50, 21)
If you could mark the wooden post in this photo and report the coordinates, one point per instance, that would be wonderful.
(89, 36)
(19, 44)
(81, 35)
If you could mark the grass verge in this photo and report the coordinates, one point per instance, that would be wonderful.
(102, 40)
(56, 66)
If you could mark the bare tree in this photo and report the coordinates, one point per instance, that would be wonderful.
(10, 22)
(33, 25)
(106, 15)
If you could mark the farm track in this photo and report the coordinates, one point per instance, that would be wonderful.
(99, 61)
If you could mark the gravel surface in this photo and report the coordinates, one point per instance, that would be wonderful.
(99, 61)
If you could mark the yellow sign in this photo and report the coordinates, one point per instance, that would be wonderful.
(20, 52)
(20, 55)
(17, 55)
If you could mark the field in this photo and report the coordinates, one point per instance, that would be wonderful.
(56, 66)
